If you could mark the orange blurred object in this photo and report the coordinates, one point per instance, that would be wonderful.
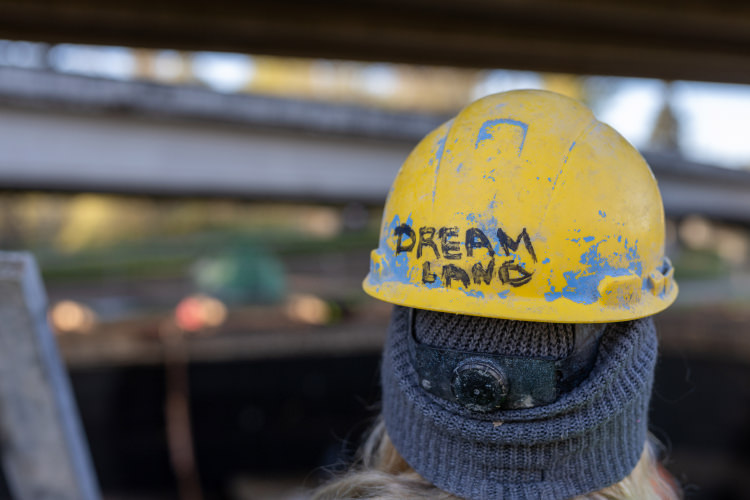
(68, 316)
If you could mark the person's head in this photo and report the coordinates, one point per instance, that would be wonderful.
(523, 247)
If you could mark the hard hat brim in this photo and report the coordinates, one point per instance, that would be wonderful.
(559, 310)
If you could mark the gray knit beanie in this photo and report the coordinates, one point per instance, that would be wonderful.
(587, 439)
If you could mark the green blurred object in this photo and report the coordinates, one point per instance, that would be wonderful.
(242, 275)
(700, 264)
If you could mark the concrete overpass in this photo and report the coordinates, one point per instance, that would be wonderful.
(64, 132)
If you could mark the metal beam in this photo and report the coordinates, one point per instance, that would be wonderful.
(62, 132)
(692, 188)
(43, 450)
(59, 151)
(700, 40)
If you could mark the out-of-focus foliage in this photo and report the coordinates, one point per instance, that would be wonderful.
(224, 244)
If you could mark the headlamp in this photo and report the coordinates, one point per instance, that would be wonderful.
(486, 382)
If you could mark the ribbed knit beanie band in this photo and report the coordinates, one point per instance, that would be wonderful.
(492, 335)
(590, 438)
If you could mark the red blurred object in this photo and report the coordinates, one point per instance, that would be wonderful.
(189, 314)
(200, 313)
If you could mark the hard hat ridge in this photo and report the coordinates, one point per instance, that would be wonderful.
(524, 207)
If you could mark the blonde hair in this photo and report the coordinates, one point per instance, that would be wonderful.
(383, 474)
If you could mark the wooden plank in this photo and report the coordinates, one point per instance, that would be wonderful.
(251, 333)
(43, 450)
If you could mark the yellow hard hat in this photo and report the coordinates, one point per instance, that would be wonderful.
(525, 207)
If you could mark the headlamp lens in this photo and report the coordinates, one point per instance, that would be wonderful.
(479, 385)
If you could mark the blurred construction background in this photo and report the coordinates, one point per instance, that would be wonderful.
(202, 182)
